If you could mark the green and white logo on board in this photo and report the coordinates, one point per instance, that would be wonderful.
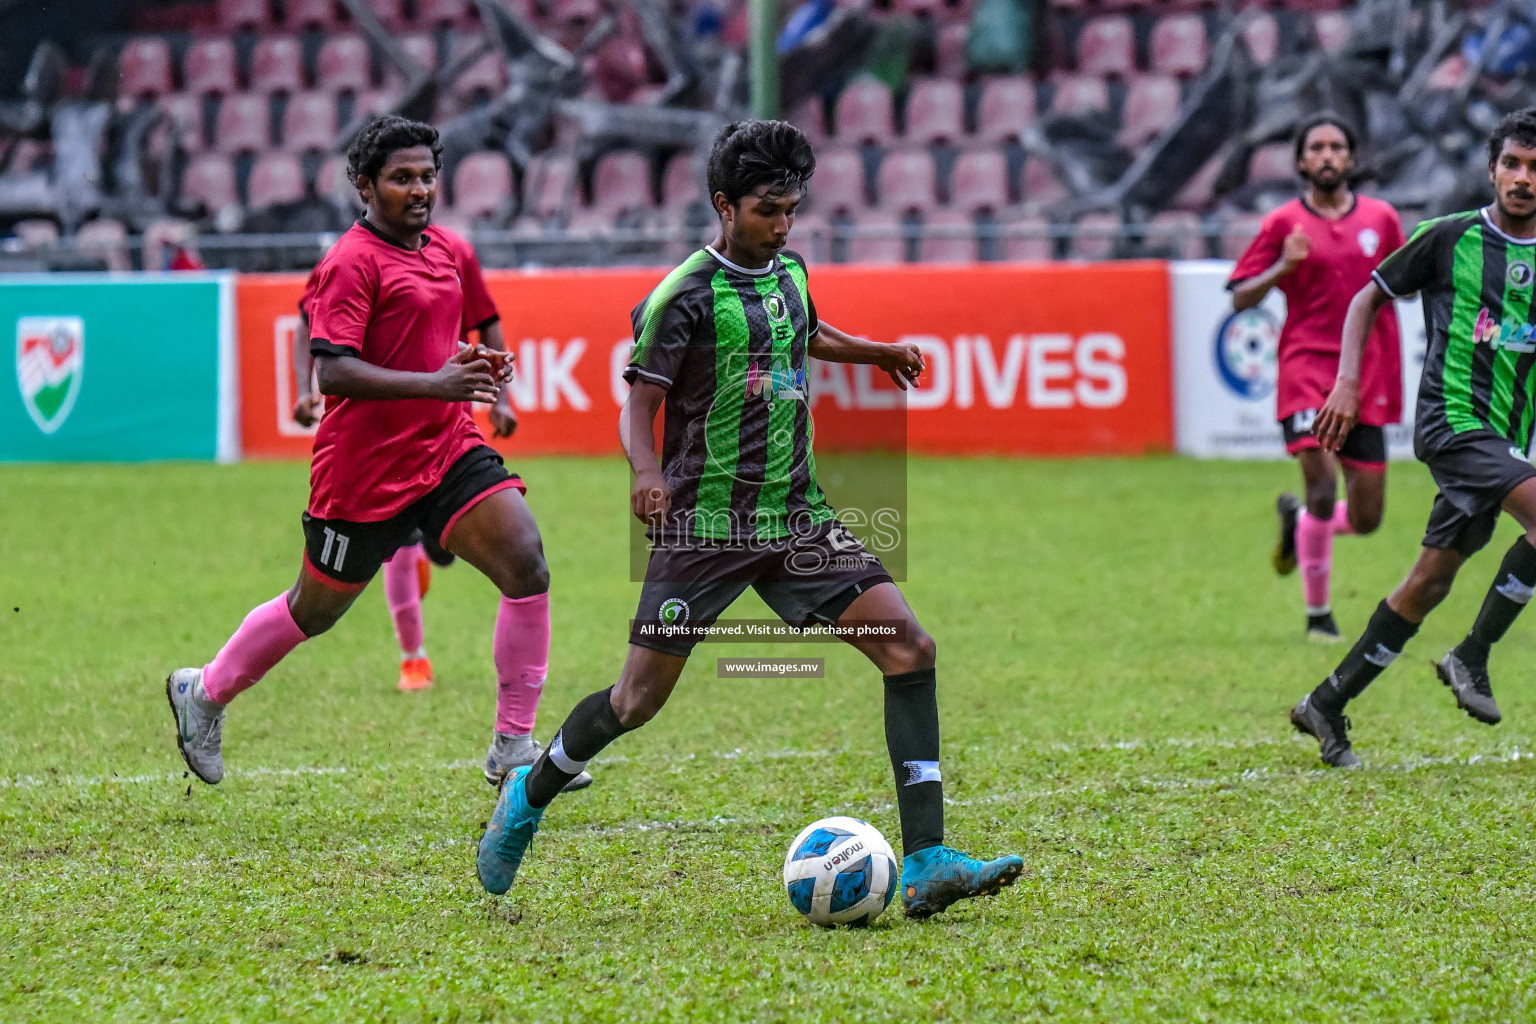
(50, 363)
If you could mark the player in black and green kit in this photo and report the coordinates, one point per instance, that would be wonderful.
(1472, 429)
(723, 342)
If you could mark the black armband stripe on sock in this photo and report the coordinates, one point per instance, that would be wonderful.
(591, 726)
(912, 738)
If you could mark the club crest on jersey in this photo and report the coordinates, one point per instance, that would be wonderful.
(674, 612)
(1520, 274)
(1516, 337)
(1369, 240)
(50, 363)
(778, 312)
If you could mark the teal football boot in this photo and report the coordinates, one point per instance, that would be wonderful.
(934, 878)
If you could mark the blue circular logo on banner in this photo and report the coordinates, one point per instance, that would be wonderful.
(1248, 353)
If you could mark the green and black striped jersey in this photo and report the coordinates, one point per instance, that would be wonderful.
(1480, 363)
(729, 345)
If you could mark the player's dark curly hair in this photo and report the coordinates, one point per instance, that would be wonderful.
(1519, 126)
(380, 137)
(750, 154)
(1326, 117)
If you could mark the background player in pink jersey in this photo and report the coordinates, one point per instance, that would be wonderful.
(397, 451)
(408, 573)
(1319, 250)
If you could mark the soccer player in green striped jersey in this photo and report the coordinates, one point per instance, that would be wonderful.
(722, 342)
(1472, 429)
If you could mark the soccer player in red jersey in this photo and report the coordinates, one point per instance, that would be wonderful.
(408, 573)
(1320, 250)
(397, 449)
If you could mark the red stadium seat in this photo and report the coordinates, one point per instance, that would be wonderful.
(446, 13)
(1152, 103)
(1106, 47)
(244, 123)
(422, 49)
(1041, 184)
(243, 15)
(210, 180)
(1237, 232)
(210, 68)
(482, 184)
(1006, 108)
(548, 183)
(811, 236)
(315, 14)
(107, 239)
(877, 239)
(144, 65)
(1178, 233)
(331, 179)
(567, 11)
(864, 113)
(1080, 94)
(838, 183)
(949, 236)
(277, 65)
(1027, 238)
(344, 64)
(908, 181)
(1178, 45)
(275, 178)
(1274, 162)
(186, 115)
(952, 50)
(486, 75)
(1095, 236)
(36, 233)
(1262, 37)
(808, 117)
(1332, 28)
(683, 182)
(979, 182)
(374, 101)
(935, 111)
(309, 122)
(1198, 192)
(390, 12)
(621, 181)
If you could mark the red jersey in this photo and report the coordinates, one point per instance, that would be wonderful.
(1317, 295)
(375, 300)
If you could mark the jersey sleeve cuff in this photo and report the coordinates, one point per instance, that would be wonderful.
(483, 324)
(321, 347)
(1382, 284)
(631, 372)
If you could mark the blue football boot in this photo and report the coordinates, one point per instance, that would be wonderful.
(508, 836)
(934, 878)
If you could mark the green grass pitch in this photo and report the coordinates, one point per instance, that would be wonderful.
(1115, 664)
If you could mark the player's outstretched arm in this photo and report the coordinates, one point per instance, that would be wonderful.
(1341, 411)
(902, 360)
(1248, 293)
(465, 377)
(651, 497)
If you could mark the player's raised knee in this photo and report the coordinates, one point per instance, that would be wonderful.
(522, 573)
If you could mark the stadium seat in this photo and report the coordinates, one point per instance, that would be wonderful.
(277, 65)
(864, 113)
(331, 178)
(548, 183)
(1079, 94)
(877, 239)
(210, 180)
(486, 75)
(344, 64)
(390, 12)
(1106, 47)
(243, 15)
(1176, 233)
(838, 183)
(244, 123)
(446, 13)
(949, 236)
(36, 233)
(482, 184)
(309, 122)
(1201, 187)
(808, 117)
(1332, 28)
(979, 181)
(186, 116)
(275, 178)
(1041, 184)
(311, 14)
(952, 51)
(1152, 103)
(1274, 162)
(1095, 236)
(210, 68)
(811, 236)
(683, 182)
(1262, 37)
(908, 180)
(421, 49)
(1006, 107)
(144, 67)
(453, 219)
(374, 101)
(621, 180)
(1237, 232)
(1178, 45)
(1449, 74)
(1026, 238)
(935, 111)
(107, 239)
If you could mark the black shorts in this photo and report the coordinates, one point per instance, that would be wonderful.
(346, 555)
(1475, 473)
(1365, 447)
(805, 580)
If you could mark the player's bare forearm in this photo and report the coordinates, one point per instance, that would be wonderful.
(1341, 411)
(303, 362)
(902, 360)
(1248, 294)
(464, 378)
(651, 498)
(491, 336)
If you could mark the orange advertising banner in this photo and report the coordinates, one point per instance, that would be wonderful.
(1022, 359)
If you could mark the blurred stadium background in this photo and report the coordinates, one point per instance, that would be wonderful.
(150, 134)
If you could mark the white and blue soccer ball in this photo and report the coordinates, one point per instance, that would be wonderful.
(840, 871)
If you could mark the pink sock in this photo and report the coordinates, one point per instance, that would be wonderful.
(522, 661)
(1341, 518)
(263, 639)
(402, 592)
(1314, 552)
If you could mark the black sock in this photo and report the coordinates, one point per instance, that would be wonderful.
(912, 736)
(1377, 648)
(1512, 589)
(590, 727)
